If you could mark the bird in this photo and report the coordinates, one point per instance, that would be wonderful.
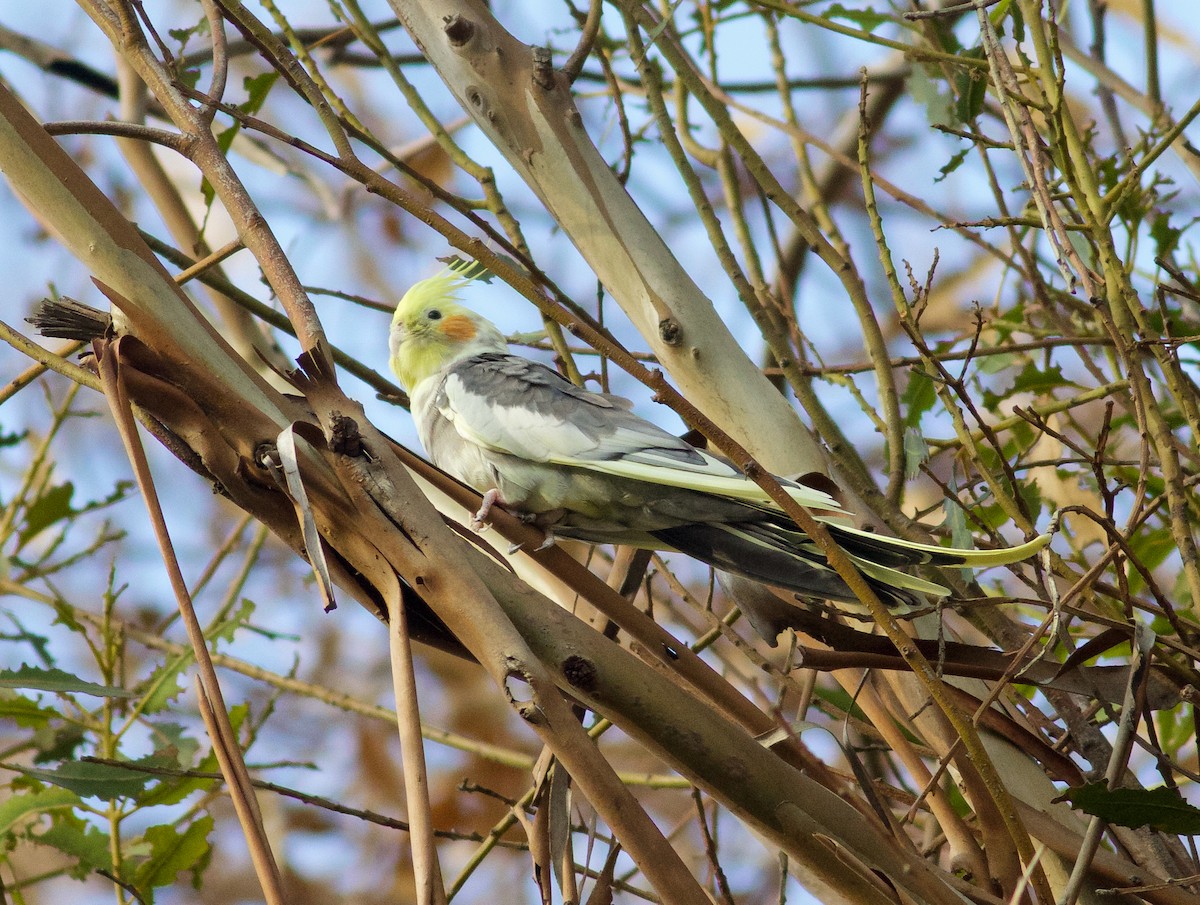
(581, 464)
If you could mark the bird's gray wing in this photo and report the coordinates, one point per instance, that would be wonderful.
(509, 404)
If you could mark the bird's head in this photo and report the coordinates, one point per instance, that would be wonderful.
(430, 329)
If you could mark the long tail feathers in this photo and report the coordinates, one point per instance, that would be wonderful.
(907, 553)
(741, 550)
(774, 553)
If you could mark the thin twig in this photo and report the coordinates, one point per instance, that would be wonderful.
(210, 699)
(427, 872)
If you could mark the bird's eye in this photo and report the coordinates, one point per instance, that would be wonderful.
(433, 314)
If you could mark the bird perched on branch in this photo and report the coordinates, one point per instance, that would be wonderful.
(581, 465)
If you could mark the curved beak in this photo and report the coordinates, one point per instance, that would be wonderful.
(396, 336)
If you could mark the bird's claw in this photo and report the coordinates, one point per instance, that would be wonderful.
(479, 522)
(546, 544)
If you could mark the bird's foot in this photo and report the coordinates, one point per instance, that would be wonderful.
(479, 519)
(549, 541)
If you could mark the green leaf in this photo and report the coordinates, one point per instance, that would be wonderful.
(12, 439)
(120, 491)
(1007, 323)
(26, 713)
(939, 33)
(918, 397)
(1175, 727)
(91, 780)
(171, 741)
(52, 506)
(1018, 22)
(990, 515)
(174, 789)
(39, 643)
(866, 19)
(930, 93)
(1182, 592)
(58, 743)
(64, 615)
(1083, 248)
(1174, 322)
(839, 699)
(970, 88)
(224, 142)
(88, 845)
(164, 684)
(956, 520)
(1034, 379)
(172, 852)
(14, 810)
(190, 76)
(171, 789)
(1161, 808)
(994, 364)
(1165, 236)
(183, 35)
(998, 14)
(39, 679)
(916, 452)
(952, 164)
(257, 88)
(1151, 549)
(1031, 495)
(227, 628)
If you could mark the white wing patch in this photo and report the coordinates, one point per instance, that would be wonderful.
(726, 482)
(539, 433)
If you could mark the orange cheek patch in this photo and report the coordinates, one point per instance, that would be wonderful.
(459, 327)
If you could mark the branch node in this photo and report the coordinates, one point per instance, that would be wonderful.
(344, 437)
(580, 672)
(459, 31)
(669, 331)
(543, 68)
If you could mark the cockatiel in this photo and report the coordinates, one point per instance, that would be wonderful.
(581, 465)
